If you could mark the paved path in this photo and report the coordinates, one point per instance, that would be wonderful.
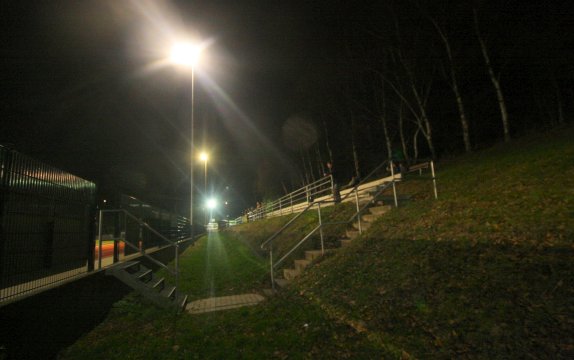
(223, 303)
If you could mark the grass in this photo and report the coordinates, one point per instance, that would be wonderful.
(220, 265)
(285, 326)
(484, 272)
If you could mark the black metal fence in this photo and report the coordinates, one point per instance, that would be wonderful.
(48, 221)
(119, 228)
(46, 225)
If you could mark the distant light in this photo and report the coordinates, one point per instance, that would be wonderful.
(185, 53)
(105, 201)
(211, 203)
(226, 203)
(203, 156)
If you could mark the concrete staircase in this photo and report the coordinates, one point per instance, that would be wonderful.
(375, 210)
(143, 280)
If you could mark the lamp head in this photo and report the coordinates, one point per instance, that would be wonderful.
(185, 53)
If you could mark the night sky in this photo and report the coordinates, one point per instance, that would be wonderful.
(79, 92)
(82, 89)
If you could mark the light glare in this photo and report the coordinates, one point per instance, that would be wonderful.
(185, 54)
(211, 203)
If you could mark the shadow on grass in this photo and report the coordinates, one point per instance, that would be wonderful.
(450, 299)
(40, 326)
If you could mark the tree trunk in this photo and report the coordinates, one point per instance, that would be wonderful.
(311, 166)
(402, 135)
(327, 141)
(384, 121)
(415, 144)
(424, 123)
(559, 104)
(354, 144)
(462, 114)
(494, 80)
(320, 168)
(455, 89)
(304, 163)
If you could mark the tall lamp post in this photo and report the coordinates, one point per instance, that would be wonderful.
(204, 157)
(187, 54)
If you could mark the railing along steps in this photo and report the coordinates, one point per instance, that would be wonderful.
(375, 211)
(153, 288)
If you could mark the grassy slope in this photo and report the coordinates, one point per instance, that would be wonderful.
(484, 272)
(281, 327)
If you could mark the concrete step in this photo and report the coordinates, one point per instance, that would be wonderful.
(158, 284)
(144, 275)
(282, 282)
(363, 199)
(168, 292)
(301, 264)
(364, 225)
(369, 217)
(131, 266)
(153, 288)
(182, 302)
(389, 199)
(313, 254)
(346, 242)
(351, 234)
(290, 274)
(379, 210)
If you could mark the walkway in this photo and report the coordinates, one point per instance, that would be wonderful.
(223, 303)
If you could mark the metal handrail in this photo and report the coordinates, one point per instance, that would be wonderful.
(175, 244)
(295, 197)
(278, 232)
(318, 227)
(322, 225)
(366, 178)
(357, 214)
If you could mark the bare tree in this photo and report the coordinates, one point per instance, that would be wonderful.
(382, 104)
(494, 79)
(453, 82)
(402, 133)
(418, 84)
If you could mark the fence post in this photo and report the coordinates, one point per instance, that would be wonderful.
(358, 208)
(433, 179)
(393, 180)
(100, 239)
(116, 255)
(176, 268)
(321, 228)
(271, 265)
(140, 237)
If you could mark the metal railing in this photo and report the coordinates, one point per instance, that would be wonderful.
(140, 249)
(45, 226)
(356, 190)
(289, 203)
